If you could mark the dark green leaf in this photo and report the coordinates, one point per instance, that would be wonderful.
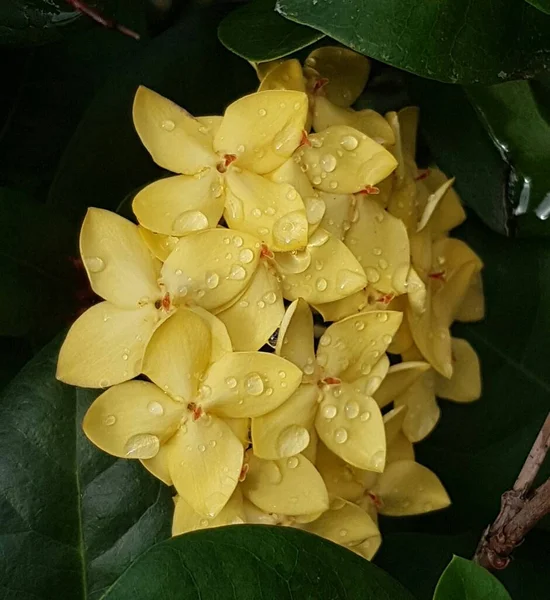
(256, 32)
(464, 580)
(71, 517)
(458, 41)
(105, 159)
(247, 562)
(543, 5)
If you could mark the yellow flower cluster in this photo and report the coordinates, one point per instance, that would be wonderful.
(317, 434)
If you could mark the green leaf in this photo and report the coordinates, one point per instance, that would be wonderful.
(464, 580)
(256, 32)
(456, 41)
(105, 159)
(543, 5)
(250, 562)
(72, 518)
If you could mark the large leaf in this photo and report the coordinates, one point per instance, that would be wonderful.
(457, 41)
(543, 5)
(72, 518)
(256, 32)
(105, 159)
(464, 580)
(247, 562)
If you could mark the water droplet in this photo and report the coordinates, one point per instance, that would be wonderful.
(321, 284)
(270, 297)
(231, 382)
(359, 325)
(309, 369)
(329, 411)
(292, 462)
(383, 264)
(343, 532)
(244, 303)
(256, 212)
(94, 264)
(325, 340)
(377, 461)
(168, 125)
(190, 220)
(328, 163)
(254, 384)
(382, 317)
(238, 241)
(211, 279)
(203, 522)
(351, 409)
(387, 338)
(316, 180)
(237, 272)
(260, 304)
(125, 356)
(297, 105)
(290, 228)
(292, 194)
(262, 112)
(201, 448)
(178, 272)
(212, 443)
(205, 391)
(349, 142)
(142, 445)
(269, 391)
(110, 420)
(365, 416)
(240, 148)
(372, 274)
(340, 436)
(155, 408)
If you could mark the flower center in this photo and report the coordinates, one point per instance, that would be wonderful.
(227, 160)
(196, 410)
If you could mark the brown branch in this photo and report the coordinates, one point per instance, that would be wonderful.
(521, 509)
(82, 7)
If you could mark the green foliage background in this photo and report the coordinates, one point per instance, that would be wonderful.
(72, 519)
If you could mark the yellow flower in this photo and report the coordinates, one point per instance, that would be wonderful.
(336, 391)
(221, 161)
(197, 383)
(107, 343)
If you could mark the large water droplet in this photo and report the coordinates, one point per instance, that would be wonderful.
(349, 142)
(321, 284)
(329, 411)
(246, 255)
(190, 220)
(292, 462)
(372, 274)
(155, 408)
(382, 317)
(365, 416)
(211, 279)
(142, 445)
(292, 440)
(168, 125)
(237, 272)
(351, 409)
(340, 436)
(328, 163)
(254, 384)
(231, 382)
(325, 340)
(270, 297)
(94, 264)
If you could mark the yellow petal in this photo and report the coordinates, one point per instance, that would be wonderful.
(258, 517)
(401, 170)
(176, 141)
(287, 75)
(347, 72)
(465, 383)
(262, 130)
(273, 212)
(369, 547)
(402, 203)
(241, 429)
(264, 68)
(472, 307)
(369, 122)
(158, 465)
(332, 272)
(106, 345)
(295, 340)
(399, 378)
(432, 202)
(120, 267)
(186, 519)
(205, 461)
(221, 342)
(212, 267)
(249, 384)
(212, 123)
(369, 384)
(408, 128)
(401, 448)
(407, 488)
(381, 246)
(402, 340)
(350, 425)
(339, 212)
(311, 451)
(178, 354)
(284, 432)
(159, 245)
(346, 307)
(449, 212)
(340, 478)
(343, 160)
(393, 423)
(422, 409)
(350, 348)
(253, 318)
(180, 205)
(132, 420)
(291, 486)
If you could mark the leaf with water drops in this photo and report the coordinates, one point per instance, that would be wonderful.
(186, 519)
(350, 424)
(255, 315)
(273, 212)
(181, 204)
(249, 384)
(343, 160)
(332, 271)
(120, 267)
(106, 345)
(262, 130)
(284, 431)
(206, 268)
(465, 383)
(407, 488)
(178, 354)
(176, 141)
(291, 486)
(295, 340)
(132, 420)
(399, 379)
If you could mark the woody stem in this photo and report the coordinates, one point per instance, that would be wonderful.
(83, 7)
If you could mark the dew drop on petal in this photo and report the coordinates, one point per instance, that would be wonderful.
(142, 445)
(292, 440)
(212, 443)
(201, 448)
(270, 297)
(231, 382)
(238, 241)
(309, 369)
(237, 272)
(211, 280)
(382, 317)
(329, 411)
(372, 274)
(292, 462)
(155, 408)
(168, 125)
(321, 284)
(351, 409)
(340, 435)
(204, 522)
(383, 264)
(256, 212)
(325, 340)
(328, 163)
(359, 325)
(190, 220)
(365, 416)
(333, 185)
(343, 532)
(262, 112)
(349, 142)
(246, 255)
(387, 338)
(109, 420)
(94, 264)
(254, 384)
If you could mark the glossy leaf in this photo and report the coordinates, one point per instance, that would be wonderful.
(439, 40)
(543, 5)
(256, 32)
